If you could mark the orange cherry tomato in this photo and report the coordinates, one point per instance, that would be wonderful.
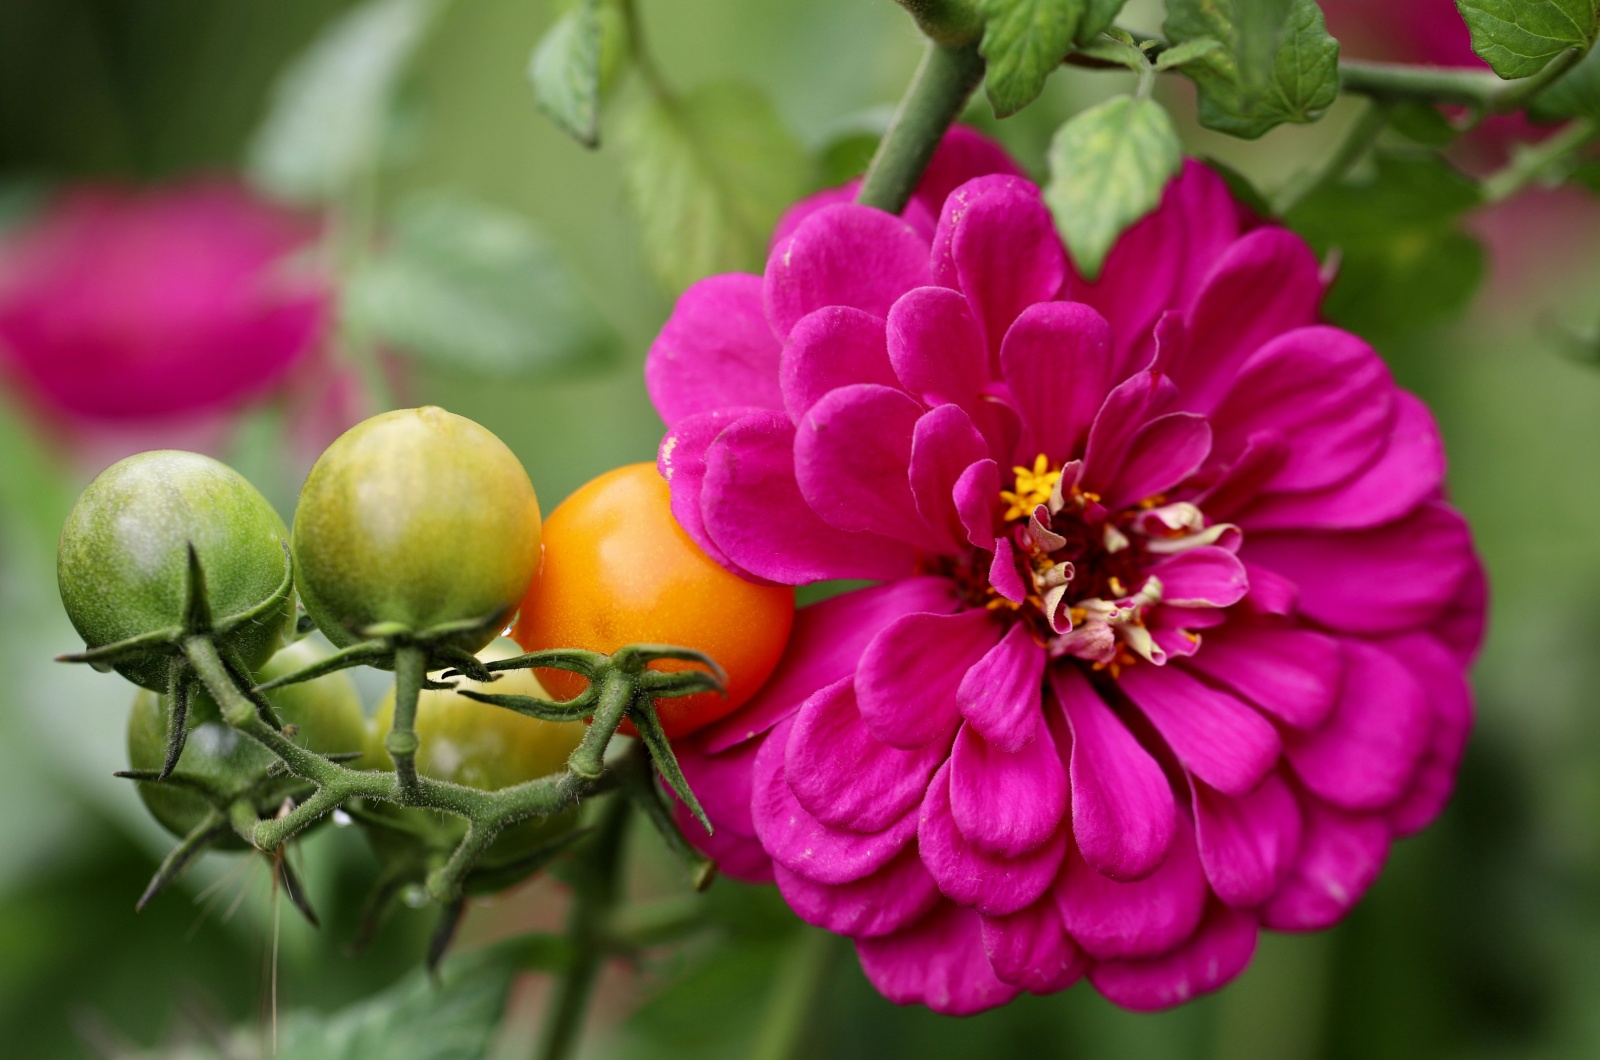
(618, 569)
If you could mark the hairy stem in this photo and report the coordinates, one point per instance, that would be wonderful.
(1356, 143)
(335, 783)
(1532, 162)
(410, 670)
(1482, 90)
(935, 97)
(588, 927)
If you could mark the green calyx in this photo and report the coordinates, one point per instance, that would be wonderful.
(219, 765)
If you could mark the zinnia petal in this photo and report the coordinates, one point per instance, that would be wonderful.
(1386, 580)
(843, 255)
(994, 884)
(1341, 854)
(825, 644)
(997, 244)
(1056, 360)
(801, 843)
(1292, 674)
(1406, 473)
(1366, 754)
(1247, 844)
(1266, 283)
(911, 670)
(938, 961)
(1122, 808)
(943, 445)
(1114, 920)
(756, 515)
(1000, 694)
(1032, 950)
(1451, 700)
(715, 350)
(1326, 392)
(1007, 802)
(1218, 952)
(843, 775)
(833, 347)
(887, 901)
(1217, 738)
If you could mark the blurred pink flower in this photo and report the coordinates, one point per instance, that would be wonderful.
(120, 306)
(1169, 636)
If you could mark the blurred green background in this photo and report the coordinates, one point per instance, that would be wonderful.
(1482, 939)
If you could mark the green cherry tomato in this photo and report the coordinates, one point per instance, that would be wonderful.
(123, 562)
(416, 517)
(485, 747)
(325, 714)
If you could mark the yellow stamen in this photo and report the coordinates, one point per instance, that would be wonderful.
(1034, 486)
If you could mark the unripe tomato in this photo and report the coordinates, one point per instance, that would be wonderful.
(325, 713)
(123, 560)
(483, 746)
(417, 517)
(618, 569)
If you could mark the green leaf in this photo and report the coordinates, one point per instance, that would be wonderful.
(1276, 62)
(1404, 262)
(1187, 52)
(413, 1020)
(332, 108)
(1518, 37)
(1107, 168)
(1023, 42)
(1576, 94)
(476, 289)
(1422, 123)
(1097, 18)
(565, 71)
(708, 175)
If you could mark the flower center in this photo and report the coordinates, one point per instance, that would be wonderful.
(1083, 576)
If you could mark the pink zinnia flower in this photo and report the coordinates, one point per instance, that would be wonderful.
(120, 305)
(1171, 619)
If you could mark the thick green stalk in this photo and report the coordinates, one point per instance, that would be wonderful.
(937, 93)
(588, 930)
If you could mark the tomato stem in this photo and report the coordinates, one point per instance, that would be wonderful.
(410, 671)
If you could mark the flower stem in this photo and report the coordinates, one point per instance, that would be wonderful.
(937, 93)
(1530, 163)
(1483, 91)
(588, 929)
(1355, 144)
